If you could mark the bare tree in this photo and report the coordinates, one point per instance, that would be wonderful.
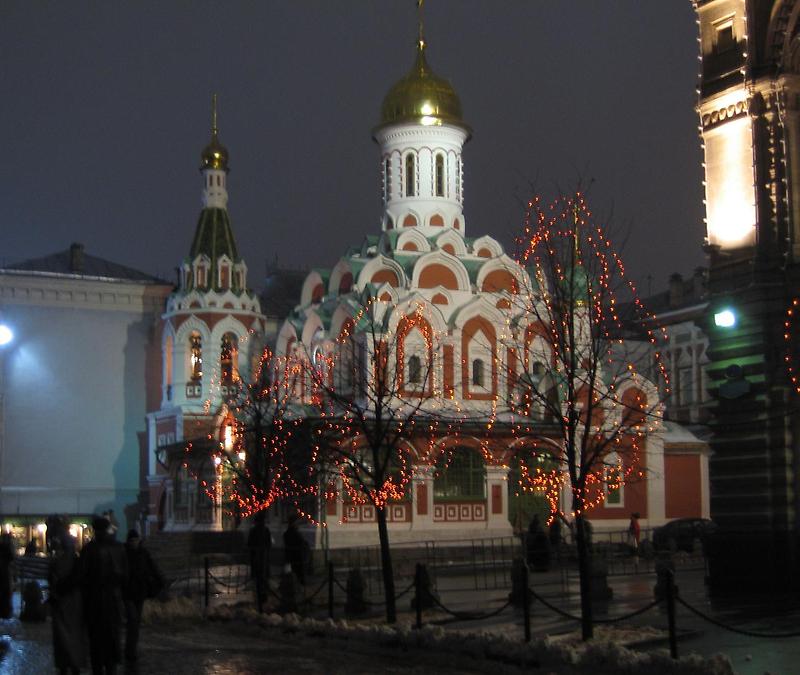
(380, 406)
(263, 455)
(576, 390)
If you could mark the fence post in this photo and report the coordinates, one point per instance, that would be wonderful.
(673, 637)
(330, 589)
(418, 593)
(526, 606)
(205, 587)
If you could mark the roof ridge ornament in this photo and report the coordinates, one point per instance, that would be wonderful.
(214, 128)
(420, 24)
(215, 155)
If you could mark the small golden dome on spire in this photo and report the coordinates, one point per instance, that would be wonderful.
(215, 155)
(422, 97)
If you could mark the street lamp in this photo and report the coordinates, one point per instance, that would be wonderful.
(6, 338)
(725, 318)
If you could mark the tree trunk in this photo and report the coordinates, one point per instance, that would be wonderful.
(386, 566)
(585, 576)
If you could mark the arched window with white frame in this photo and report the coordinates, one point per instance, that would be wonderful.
(411, 175)
(195, 357)
(439, 175)
(416, 366)
(229, 360)
(479, 363)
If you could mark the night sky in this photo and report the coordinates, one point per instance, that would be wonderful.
(105, 110)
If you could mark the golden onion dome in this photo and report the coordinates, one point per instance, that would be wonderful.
(215, 155)
(422, 97)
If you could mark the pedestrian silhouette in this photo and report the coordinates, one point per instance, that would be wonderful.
(144, 581)
(104, 572)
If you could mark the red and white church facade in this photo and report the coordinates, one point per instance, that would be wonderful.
(463, 294)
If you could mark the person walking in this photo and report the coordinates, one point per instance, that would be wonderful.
(144, 581)
(634, 532)
(66, 603)
(259, 543)
(294, 547)
(104, 573)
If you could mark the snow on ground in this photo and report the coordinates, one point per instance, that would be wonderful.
(563, 654)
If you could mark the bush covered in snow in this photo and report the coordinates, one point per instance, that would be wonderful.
(602, 655)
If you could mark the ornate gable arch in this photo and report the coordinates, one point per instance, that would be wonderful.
(418, 305)
(415, 237)
(190, 325)
(379, 270)
(338, 283)
(312, 324)
(438, 268)
(313, 288)
(502, 274)
(480, 306)
(286, 337)
(486, 243)
(450, 237)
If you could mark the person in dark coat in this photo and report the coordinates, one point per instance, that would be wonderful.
(294, 547)
(144, 581)
(555, 531)
(6, 558)
(532, 539)
(104, 573)
(259, 543)
(66, 603)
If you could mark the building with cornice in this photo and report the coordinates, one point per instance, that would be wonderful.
(749, 114)
(76, 383)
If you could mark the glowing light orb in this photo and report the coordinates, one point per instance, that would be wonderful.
(6, 334)
(725, 319)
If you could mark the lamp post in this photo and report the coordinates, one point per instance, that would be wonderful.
(6, 338)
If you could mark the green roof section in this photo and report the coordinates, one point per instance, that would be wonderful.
(473, 267)
(214, 236)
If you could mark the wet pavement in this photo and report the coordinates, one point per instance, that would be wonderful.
(199, 648)
(214, 648)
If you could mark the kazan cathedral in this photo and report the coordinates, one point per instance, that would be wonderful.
(462, 293)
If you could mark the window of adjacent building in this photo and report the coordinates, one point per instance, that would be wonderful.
(196, 357)
(460, 475)
(411, 176)
(477, 373)
(724, 37)
(227, 359)
(440, 175)
(685, 386)
(168, 366)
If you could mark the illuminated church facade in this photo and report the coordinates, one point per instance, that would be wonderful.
(451, 311)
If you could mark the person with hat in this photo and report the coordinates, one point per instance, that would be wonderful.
(144, 581)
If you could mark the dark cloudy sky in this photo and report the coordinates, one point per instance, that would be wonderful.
(104, 109)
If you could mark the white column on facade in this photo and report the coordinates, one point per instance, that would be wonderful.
(497, 481)
(422, 476)
(655, 477)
